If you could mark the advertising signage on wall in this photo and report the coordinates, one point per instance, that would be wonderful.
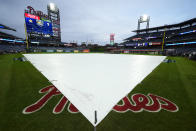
(32, 16)
(45, 20)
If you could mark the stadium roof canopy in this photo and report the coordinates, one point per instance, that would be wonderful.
(6, 27)
(188, 22)
(6, 35)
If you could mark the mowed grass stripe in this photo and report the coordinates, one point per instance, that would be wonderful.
(188, 77)
(5, 78)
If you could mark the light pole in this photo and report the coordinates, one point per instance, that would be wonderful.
(143, 19)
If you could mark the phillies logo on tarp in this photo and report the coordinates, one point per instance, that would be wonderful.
(138, 103)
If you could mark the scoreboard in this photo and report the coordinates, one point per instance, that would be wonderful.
(35, 25)
(43, 28)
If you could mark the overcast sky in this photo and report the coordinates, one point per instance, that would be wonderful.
(94, 20)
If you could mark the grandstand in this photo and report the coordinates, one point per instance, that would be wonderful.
(174, 39)
(10, 43)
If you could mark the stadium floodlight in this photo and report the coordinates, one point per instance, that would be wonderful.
(144, 18)
(53, 7)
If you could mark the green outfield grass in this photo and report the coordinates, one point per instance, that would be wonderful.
(20, 83)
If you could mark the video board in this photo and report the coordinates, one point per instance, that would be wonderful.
(36, 25)
(43, 28)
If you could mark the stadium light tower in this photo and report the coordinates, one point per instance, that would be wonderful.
(143, 19)
(54, 16)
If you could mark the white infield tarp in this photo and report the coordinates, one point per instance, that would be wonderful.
(94, 82)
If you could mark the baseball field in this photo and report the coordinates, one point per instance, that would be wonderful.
(29, 102)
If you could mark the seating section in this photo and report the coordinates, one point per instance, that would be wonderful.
(12, 48)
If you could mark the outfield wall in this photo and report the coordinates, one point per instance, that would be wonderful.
(154, 52)
(61, 51)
